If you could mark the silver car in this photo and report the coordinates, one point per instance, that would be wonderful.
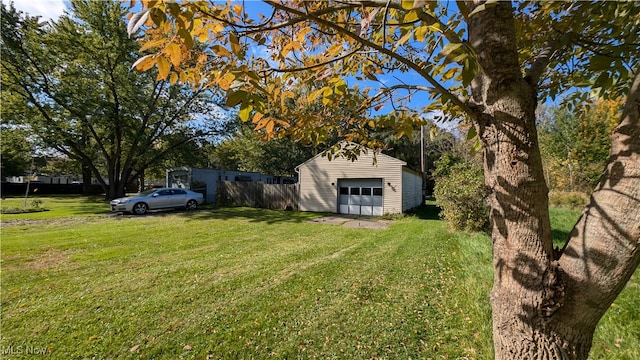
(154, 199)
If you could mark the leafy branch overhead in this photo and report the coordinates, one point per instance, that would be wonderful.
(322, 48)
(340, 52)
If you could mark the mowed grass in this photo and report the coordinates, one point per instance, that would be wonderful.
(58, 206)
(242, 283)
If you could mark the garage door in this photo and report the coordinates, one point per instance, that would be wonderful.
(360, 196)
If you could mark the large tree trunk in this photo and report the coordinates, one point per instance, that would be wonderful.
(86, 178)
(543, 308)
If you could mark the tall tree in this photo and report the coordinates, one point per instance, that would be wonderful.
(485, 61)
(74, 78)
(575, 146)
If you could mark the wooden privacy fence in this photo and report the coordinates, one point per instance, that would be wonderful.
(258, 195)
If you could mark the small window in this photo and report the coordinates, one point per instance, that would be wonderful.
(377, 191)
(179, 192)
(366, 191)
(164, 192)
(344, 191)
(355, 191)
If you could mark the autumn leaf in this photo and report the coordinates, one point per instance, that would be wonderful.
(153, 44)
(163, 68)
(221, 51)
(226, 81)
(144, 63)
(174, 53)
(314, 95)
(245, 111)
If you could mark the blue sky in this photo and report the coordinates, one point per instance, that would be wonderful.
(47, 9)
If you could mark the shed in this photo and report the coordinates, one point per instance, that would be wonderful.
(361, 187)
(206, 180)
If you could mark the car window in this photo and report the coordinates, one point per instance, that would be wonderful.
(164, 192)
(179, 192)
(146, 192)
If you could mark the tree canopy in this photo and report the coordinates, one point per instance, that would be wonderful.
(70, 84)
(336, 47)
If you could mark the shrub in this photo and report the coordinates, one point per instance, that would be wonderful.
(461, 194)
(36, 206)
(568, 199)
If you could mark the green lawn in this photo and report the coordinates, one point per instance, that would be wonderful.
(249, 283)
(56, 206)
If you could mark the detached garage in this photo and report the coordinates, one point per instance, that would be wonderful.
(359, 187)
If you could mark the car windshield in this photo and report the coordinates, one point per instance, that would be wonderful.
(146, 192)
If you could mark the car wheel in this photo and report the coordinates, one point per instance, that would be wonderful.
(192, 205)
(140, 208)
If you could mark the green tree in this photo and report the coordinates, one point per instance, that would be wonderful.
(74, 78)
(16, 152)
(575, 147)
(487, 62)
(245, 150)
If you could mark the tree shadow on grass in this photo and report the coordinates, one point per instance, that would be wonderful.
(427, 212)
(251, 215)
(560, 237)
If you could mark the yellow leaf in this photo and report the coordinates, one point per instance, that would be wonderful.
(420, 33)
(407, 4)
(173, 78)
(163, 68)
(153, 44)
(216, 27)
(221, 51)
(226, 81)
(235, 44)
(314, 95)
(237, 9)
(334, 49)
(174, 53)
(300, 35)
(144, 63)
(411, 16)
(245, 111)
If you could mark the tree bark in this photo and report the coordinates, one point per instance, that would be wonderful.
(602, 252)
(525, 275)
(546, 304)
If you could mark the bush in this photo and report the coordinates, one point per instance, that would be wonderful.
(568, 199)
(36, 206)
(461, 194)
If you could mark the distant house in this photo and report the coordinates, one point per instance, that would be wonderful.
(361, 187)
(206, 180)
(42, 179)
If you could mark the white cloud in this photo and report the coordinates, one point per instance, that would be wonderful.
(46, 9)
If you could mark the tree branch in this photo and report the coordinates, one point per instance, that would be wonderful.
(541, 61)
(341, 57)
(461, 103)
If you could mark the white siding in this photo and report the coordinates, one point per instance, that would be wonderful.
(318, 178)
(411, 189)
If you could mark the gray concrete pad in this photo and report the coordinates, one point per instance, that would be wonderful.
(353, 221)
